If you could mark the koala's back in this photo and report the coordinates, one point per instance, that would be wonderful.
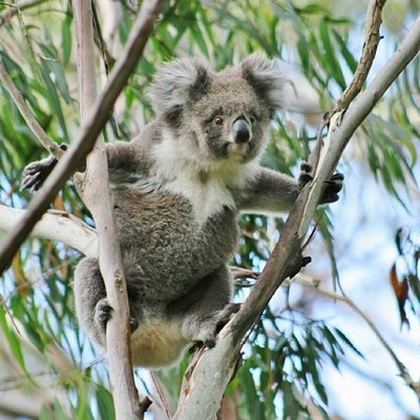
(165, 250)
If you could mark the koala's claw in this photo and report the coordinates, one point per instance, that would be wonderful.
(305, 167)
(207, 334)
(103, 313)
(209, 327)
(305, 174)
(332, 187)
(34, 175)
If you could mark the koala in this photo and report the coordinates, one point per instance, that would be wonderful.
(177, 190)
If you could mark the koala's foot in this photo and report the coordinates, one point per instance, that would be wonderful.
(226, 314)
(205, 329)
(103, 313)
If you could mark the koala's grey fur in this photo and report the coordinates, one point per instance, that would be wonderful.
(177, 191)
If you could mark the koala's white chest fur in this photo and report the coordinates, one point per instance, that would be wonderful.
(206, 197)
(206, 185)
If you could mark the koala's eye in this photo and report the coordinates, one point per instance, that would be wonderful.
(252, 119)
(218, 120)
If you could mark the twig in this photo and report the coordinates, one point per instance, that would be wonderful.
(14, 9)
(370, 45)
(415, 386)
(27, 114)
(218, 362)
(89, 131)
(165, 406)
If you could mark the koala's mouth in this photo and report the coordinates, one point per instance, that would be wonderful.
(238, 151)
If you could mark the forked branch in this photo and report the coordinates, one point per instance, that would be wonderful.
(199, 393)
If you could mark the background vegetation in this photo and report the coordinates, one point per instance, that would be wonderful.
(293, 356)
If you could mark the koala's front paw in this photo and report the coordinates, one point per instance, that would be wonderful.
(207, 328)
(103, 311)
(305, 175)
(332, 187)
(34, 175)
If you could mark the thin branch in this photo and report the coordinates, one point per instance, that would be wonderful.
(89, 132)
(415, 386)
(96, 196)
(370, 45)
(14, 9)
(57, 226)
(218, 362)
(27, 114)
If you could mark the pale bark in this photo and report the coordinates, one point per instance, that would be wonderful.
(96, 196)
(56, 225)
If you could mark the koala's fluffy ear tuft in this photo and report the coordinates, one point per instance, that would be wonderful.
(265, 78)
(178, 83)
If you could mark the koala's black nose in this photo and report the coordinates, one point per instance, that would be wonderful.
(241, 133)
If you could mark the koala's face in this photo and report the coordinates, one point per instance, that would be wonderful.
(223, 115)
(229, 120)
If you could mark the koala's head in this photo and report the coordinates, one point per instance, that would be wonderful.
(222, 115)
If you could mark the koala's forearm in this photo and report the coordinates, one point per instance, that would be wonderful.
(125, 161)
(269, 191)
(121, 156)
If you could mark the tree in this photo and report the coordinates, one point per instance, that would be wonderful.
(281, 373)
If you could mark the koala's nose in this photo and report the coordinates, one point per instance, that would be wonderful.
(241, 132)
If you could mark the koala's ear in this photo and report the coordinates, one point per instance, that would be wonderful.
(265, 78)
(178, 83)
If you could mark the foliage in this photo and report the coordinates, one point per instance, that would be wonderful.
(281, 374)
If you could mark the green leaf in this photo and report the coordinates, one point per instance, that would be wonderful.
(105, 403)
(329, 58)
(13, 340)
(345, 52)
(53, 98)
(345, 340)
(197, 36)
(66, 39)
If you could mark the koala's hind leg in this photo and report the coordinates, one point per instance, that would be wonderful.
(90, 299)
(206, 308)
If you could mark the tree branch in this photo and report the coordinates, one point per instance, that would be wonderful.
(57, 226)
(370, 45)
(88, 134)
(97, 197)
(202, 395)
